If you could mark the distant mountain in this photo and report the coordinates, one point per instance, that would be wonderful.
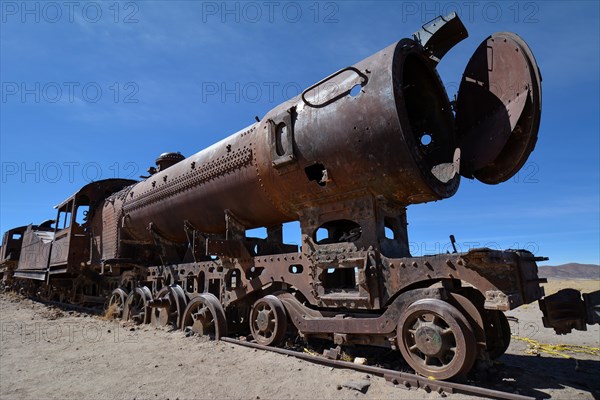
(570, 271)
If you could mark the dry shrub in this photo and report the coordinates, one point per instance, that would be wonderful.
(110, 313)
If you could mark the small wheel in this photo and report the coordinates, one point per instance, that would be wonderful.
(136, 306)
(205, 316)
(116, 302)
(268, 321)
(172, 305)
(499, 342)
(436, 340)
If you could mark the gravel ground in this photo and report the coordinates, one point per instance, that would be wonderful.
(48, 353)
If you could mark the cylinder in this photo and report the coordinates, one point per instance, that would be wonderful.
(378, 127)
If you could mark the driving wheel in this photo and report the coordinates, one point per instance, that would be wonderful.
(116, 302)
(436, 340)
(204, 316)
(136, 306)
(268, 321)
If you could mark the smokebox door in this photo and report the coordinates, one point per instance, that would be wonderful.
(498, 109)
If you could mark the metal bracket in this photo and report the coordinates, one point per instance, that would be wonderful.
(226, 248)
(235, 229)
(439, 35)
(196, 241)
(281, 132)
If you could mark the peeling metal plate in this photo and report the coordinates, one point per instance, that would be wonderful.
(439, 35)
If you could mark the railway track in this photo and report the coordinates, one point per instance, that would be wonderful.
(398, 379)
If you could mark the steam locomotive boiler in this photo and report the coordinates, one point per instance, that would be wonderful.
(344, 158)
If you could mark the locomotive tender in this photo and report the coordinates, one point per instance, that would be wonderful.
(344, 158)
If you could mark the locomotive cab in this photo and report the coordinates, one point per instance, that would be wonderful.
(11, 245)
(75, 227)
(71, 234)
(10, 251)
(63, 246)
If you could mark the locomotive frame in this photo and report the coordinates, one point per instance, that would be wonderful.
(173, 250)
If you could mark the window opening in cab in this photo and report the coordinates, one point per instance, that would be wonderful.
(82, 214)
(82, 210)
(64, 217)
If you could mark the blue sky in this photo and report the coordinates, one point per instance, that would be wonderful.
(91, 90)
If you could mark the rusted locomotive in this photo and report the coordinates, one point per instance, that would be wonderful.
(344, 158)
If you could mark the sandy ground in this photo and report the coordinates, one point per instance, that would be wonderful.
(48, 353)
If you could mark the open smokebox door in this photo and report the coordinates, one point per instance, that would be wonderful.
(498, 109)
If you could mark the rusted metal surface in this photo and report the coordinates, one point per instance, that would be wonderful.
(116, 302)
(168, 306)
(439, 35)
(173, 248)
(268, 321)
(10, 253)
(436, 338)
(12, 240)
(498, 108)
(284, 163)
(567, 310)
(137, 308)
(35, 252)
(205, 316)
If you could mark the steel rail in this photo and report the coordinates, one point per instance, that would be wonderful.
(396, 378)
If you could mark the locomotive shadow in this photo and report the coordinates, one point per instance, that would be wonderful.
(96, 311)
(527, 374)
(512, 373)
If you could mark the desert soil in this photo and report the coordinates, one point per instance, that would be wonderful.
(52, 353)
